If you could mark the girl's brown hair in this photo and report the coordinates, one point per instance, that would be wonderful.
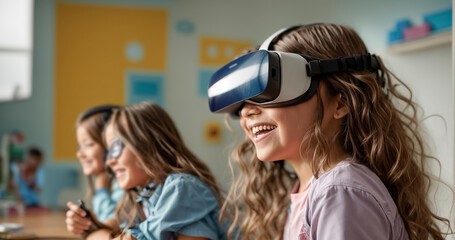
(375, 133)
(149, 132)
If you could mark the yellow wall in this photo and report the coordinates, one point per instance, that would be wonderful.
(216, 52)
(91, 62)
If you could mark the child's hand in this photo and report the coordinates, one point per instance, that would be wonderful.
(76, 221)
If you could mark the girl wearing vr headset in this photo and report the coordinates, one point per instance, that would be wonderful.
(358, 158)
(170, 193)
(91, 153)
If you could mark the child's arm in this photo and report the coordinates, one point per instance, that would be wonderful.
(39, 177)
(104, 202)
(81, 221)
(112, 224)
(184, 207)
(343, 212)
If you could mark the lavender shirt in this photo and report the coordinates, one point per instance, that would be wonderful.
(350, 202)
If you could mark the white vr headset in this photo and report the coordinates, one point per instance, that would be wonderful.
(275, 79)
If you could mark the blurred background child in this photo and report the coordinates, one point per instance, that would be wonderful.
(28, 177)
(91, 154)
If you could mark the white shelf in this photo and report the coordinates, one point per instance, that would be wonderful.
(422, 43)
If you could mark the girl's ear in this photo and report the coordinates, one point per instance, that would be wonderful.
(341, 109)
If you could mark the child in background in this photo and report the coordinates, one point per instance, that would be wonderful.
(29, 177)
(359, 160)
(170, 193)
(91, 154)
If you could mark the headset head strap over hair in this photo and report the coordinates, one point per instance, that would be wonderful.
(270, 41)
(106, 110)
(356, 63)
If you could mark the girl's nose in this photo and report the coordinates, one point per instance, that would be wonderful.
(79, 153)
(249, 110)
(110, 162)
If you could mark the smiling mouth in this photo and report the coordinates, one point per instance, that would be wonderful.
(86, 162)
(261, 130)
(119, 173)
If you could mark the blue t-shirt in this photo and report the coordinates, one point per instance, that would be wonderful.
(182, 205)
(104, 202)
(29, 196)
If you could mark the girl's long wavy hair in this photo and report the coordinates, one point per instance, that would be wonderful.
(94, 125)
(149, 132)
(375, 133)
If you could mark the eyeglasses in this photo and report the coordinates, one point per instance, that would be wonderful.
(115, 149)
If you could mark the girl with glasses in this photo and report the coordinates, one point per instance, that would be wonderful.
(91, 154)
(169, 192)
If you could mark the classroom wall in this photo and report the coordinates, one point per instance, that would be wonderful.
(428, 72)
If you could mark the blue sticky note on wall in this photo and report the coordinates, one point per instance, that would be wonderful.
(185, 27)
(143, 87)
(204, 80)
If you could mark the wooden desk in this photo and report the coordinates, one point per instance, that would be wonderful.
(43, 225)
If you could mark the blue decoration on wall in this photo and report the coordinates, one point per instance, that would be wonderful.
(212, 51)
(185, 27)
(145, 87)
(396, 35)
(204, 80)
(134, 51)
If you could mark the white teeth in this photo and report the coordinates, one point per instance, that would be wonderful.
(262, 127)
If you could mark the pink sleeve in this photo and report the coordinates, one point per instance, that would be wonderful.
(341, 213)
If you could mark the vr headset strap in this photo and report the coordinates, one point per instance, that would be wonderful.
(356, 63)
(268, 43)
(106, 110)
